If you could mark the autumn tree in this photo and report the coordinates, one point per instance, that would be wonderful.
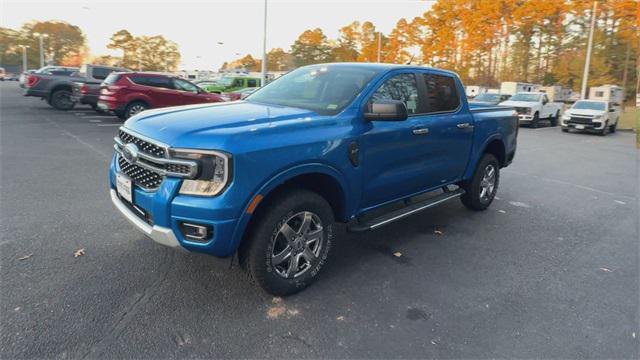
(311, 47)
(279, 60)
(150, 53)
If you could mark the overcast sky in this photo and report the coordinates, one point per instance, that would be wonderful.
(198, 25)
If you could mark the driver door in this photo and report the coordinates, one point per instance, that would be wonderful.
(189, 93)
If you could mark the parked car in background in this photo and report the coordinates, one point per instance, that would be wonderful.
(241, 94)
(533, 107)
(87, 83)
(23, 77)
(126, 94)
(591, 115)
(2, 74)
(231, 84)
(490, 99)
(53, 84)
(268, 178)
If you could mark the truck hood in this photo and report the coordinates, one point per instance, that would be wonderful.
(209, 126)
(518, 103)
(584, 112)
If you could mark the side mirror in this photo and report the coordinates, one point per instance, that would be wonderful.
(386, 110)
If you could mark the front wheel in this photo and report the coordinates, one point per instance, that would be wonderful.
(605, 129)
(612, 128)
(535, 121)
(61, 100)
(289, 243)
(481, 189)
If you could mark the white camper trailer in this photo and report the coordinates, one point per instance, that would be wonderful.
(513, 87)
(609, 93)
(557, 93)
(474, 90)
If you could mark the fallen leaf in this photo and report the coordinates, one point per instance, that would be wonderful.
(275, 312)
(438, 232)
(620, 202)
(276, 300)
(78, 252)
(502, 211)
(293, 312)
(397, 254)
(340, 318)
(25, 257)
(605, 269)
(633, 335)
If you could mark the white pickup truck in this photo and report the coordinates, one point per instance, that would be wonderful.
(533, 107)
(592, 115)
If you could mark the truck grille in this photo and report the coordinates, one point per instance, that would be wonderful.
(144, 146)
(580, 120)
(522, 110)
(147, 179)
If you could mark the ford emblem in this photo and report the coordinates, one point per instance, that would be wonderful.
(130, 153)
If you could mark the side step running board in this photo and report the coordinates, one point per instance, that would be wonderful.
(392, 216)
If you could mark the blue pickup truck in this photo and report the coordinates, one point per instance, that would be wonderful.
(267, 178)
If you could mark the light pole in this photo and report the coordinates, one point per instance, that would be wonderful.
(24, 57)
(41, 36)
(379, 44)
(585, 74)
(264, 48)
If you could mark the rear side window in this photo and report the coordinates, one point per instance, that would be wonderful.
(252, 83)
(111, 79)
(159, 82)
(441, 93)
(101, 73)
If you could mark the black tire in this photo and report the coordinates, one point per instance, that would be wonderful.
(614, 127)
(605, 129)
(473, 197)
(535, 121)
(565, 129)
(265, 242)
(119, 114)
(134, 108)
(61, 100)
(554, 120)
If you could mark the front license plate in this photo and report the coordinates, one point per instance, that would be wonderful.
(123, 186)
(580, 127)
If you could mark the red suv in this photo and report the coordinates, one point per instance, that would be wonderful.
(126, 94)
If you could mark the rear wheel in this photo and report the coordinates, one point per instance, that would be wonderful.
(481, 189)
(289, 243)
(61, 100)
(535, 121)
(135, 108)
(612, 128)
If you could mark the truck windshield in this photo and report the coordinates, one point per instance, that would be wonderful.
(226, 81)
(588, 105)
(325, 89)
(526, 97)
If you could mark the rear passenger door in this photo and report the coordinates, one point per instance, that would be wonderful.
(162, 92)
(188, 92)
(450, 126)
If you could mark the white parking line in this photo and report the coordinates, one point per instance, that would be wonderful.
(98, 117)
(95, 121)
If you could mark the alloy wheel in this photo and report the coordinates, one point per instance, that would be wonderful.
(297, 244)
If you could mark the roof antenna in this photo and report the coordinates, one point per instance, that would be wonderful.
(410, 60)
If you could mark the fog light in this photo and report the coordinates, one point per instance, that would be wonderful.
(195, 232)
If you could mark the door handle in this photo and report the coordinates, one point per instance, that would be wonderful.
(421, 131)
(464, 126)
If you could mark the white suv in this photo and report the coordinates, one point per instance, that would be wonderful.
(592, 115)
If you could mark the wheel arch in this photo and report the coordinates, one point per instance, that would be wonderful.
(59, 87)
(320, 178)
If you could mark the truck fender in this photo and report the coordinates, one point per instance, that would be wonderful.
(477, 154)
(273, 183)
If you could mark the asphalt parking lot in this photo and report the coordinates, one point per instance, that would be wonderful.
(549, 271)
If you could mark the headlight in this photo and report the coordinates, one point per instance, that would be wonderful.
(598, 117)
(566, 117)
(527, 111)
(213, 172)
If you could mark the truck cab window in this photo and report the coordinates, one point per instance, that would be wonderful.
(401, 87)
(441, 94)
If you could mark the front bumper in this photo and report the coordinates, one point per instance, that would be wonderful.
(159, 234)
(593, 125)
(166, 210)
(523, 118)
